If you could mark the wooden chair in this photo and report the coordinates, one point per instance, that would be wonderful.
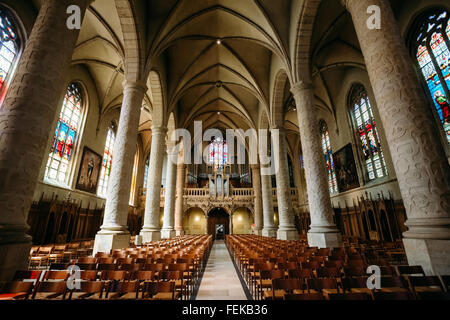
(280, 287)
(15, 290)
(46, 290)
(410, 270)
(323, 285)
(88, 290)
(425, 284)
(264, 283)
(162, 290)
(128, 290)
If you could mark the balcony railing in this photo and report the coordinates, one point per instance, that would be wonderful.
(237, 193)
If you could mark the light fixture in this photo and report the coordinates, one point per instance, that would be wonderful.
(218, 112)
(197, 218)
(218, 41)
(240, 218)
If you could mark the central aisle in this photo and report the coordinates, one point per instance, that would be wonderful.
(220, 280)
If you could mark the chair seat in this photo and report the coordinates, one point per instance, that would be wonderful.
(361, 290)
(48, 296)
(393, 290)
(330, 291)
(165, 296)
(264, 283)
(428, 289)
(12, 296)
(86, 296)
(269, 294)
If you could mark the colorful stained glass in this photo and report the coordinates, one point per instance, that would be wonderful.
(368, 134)
(147, 164)
(326, 147)
(133, 180)
(9, 47)
(66, 134)
(106, 163)
(218, 154)
(433, 57)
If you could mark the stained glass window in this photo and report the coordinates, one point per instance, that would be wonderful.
(9, 48)
(147, 164)
(106, 163)
(326, 147)
(218, 154)
(65, 136)
(433, 55)
(367, 133)
(133, 180)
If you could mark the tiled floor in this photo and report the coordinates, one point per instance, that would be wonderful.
(220, 280)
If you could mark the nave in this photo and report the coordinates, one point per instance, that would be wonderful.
(243, 267)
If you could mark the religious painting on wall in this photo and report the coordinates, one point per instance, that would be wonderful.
(89, 171)
(346, 174)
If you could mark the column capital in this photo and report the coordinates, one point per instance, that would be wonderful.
(255, 167)
(159, 130)
(134, 85)
(301, 86)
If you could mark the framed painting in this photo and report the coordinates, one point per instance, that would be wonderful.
(345, 166)
(89, 171)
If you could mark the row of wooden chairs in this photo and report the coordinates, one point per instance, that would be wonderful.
(42, 256)
(323, 272)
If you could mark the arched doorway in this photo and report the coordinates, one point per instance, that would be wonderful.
(218, 223)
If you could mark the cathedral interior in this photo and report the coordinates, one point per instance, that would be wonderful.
(116, 152)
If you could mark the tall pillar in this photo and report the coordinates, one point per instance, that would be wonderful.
(114, 233)
(323, 232)
(423, 172)
(256, 175)
(286, 228)
(167, 230)
(151, 230)
(269, 229)
(181, 176)
(26, 118)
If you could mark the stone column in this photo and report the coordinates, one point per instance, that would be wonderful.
(114, 231)
(423, 172)
(269, 229)
(26, 118)
(256, 175)
(286, 228)
(151, 230)
(181, 176)
(323, 232)
(167, 230)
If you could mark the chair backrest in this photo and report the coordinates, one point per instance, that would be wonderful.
(27, 274)
(160, 287)
(392, 282)
(143, 276)
(113, 275)
(87, 266)
(322, 283)
(56, 275)
(131, 267)
(17, 287)
(425, 281)
(87, 260)
(88, 275)
(286, 284)
(171, 275)
(50, 286)
(154, 267)
(107, 266)
(91, 286)
(410, 270)
(355, 271)
(124, 287)
(106, 260)
(178, 267)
